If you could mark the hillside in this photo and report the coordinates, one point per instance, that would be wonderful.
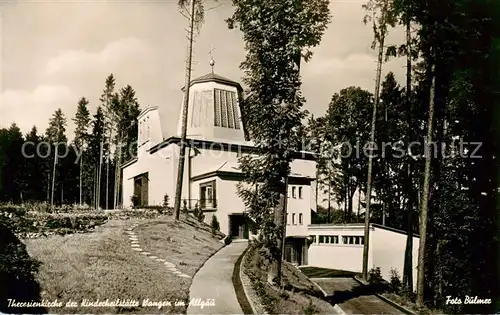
(118, 262)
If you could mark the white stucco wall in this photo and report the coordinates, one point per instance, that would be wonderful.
(161, 169)
(388, 250)
(337, 256)
(297, 206)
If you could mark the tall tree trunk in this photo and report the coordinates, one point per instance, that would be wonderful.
(118, 173)
(187, 86)
(53, 177)
(408, 262)
(107, 182)
(48, 186)
(372, 141)
(329, 202)
(282, 223)
(94, 190)
(425, 199)
(329, 193)
(99, 177)
(81, 189)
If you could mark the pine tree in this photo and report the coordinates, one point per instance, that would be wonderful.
(34, 168)
(13, 184)
(110, 124)
(96, 141)
(55, 134)
(127, 110)
(81, 120)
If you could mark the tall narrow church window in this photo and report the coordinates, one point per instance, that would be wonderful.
(230, 115)
(194, 112)
(223, 108)
(217, 109)
(207, 100)
(235, 110)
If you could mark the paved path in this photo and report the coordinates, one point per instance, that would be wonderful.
(348, 294)
(213, 282)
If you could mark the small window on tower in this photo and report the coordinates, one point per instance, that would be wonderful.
(149, 129)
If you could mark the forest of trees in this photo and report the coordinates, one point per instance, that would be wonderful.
(46, 167)
(452, 52)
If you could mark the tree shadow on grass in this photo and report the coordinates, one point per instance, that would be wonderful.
(17, 275)
(342, 296)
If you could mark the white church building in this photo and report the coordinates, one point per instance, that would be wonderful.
(216, 136)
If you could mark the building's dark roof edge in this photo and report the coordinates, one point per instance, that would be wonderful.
(129, 162)
(214, 78)
(226, 145)
(361, 225)
(234, 174)
(383, 227)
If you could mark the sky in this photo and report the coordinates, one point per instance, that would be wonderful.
(54, 52)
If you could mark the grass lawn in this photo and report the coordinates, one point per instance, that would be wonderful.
(300, 296)
(101, 265)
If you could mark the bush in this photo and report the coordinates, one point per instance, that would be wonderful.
(375, 279)
(166, 200)
(395, 281)
(135, 201)
(215, 225)
(374, 276)
(17, 272)
(309, 309)
(198, 213)
(228, 240)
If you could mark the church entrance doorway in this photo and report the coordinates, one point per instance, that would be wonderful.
(238, 226)
(141, 185)
(296, 250)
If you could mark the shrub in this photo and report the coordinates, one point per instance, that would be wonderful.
(17, 272)
(198, 213)
(228, 240)
(166, 200)
(395, 281)
(375, 279)
(135, 200)
(374, 276)
(215, 225)
(309, 309)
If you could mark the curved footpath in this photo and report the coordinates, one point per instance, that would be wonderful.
(213, 282)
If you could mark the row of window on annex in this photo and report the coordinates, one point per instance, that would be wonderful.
(337, 240)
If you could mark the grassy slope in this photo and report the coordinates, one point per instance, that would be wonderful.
(300, 296)
(101, 265)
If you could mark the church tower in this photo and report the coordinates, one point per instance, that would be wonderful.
(214, 109)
